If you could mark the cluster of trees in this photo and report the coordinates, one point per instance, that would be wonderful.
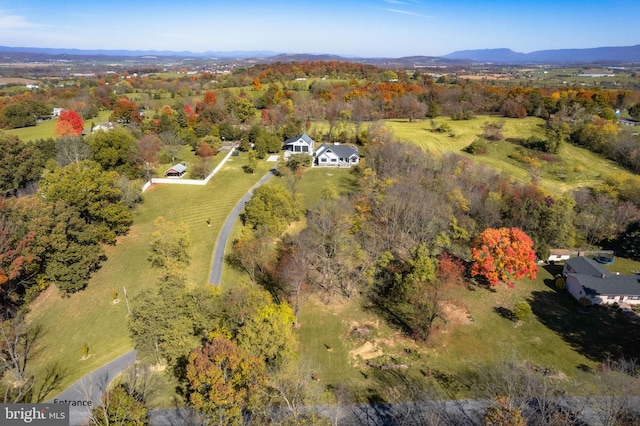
(233, 352)
(381, 241)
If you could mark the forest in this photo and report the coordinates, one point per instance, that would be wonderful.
(411, 227)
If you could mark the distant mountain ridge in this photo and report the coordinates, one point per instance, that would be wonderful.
(619, 54)
(138, 53)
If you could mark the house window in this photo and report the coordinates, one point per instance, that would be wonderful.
(634, 297)
(305, 149)
(323, 160)
(611, 297)
(334, 160)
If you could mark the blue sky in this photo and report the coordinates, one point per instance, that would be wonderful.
(390, 28)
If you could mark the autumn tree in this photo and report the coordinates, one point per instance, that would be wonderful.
(268, 334)
(250, 251)
(125, 111)
(500, 254)
(119, 407)
(15, 249)
(224, 382)
(147, 150)
(69, 124)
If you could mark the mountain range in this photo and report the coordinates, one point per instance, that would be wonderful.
(616, 54)
(620, 54)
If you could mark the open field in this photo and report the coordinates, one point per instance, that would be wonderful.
(46, 129)
(576, 167)
(90, 316)
(557, 338)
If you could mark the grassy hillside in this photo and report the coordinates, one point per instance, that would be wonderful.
(574, 167)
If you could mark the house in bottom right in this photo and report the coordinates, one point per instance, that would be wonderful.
(586, 278)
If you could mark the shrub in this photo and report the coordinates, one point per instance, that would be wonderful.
(501, 414)
(477, 147)
(560, 284)
(522, 311)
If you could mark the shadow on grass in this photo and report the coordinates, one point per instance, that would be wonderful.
(597, 333)
(505, 313)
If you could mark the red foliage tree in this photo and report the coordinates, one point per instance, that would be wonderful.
(501, 253)
(450, 269)
(206, 150)
(69, 124)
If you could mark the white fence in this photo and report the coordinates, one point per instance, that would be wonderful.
(179, 181)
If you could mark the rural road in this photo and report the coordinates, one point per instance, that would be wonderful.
(86, 393)
(221, 243)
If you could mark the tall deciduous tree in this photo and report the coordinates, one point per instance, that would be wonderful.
(272, 207)
(94, 193)
(268, 334)
(119, 407)
(114, 150)
(170, 247)
(69, 124)
(502, 253)
(20, 163)
(125, 111)
(224, 381)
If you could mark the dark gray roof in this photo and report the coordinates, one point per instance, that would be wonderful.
(304, 137)
(618, 285)
(586, 266)
(342, 151)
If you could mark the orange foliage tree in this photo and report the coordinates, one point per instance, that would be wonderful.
(499, 254)
(69, 124)
(224, 381)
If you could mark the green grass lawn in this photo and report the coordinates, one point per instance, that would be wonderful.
(90, 316)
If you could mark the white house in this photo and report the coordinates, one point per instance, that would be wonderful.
(56, 112)
(299, 144)
(336, 156)
(585, 278)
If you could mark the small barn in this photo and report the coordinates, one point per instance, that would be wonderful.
(176, 171)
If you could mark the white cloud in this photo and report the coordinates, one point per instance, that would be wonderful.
(407, 12)
(15, 22)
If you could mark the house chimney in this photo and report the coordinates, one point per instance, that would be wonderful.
(602, 276)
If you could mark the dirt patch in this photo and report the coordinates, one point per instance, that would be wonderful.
(366, 351)
(456, 314)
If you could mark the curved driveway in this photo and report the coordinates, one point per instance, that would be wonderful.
(86, 393)
(221, 243)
